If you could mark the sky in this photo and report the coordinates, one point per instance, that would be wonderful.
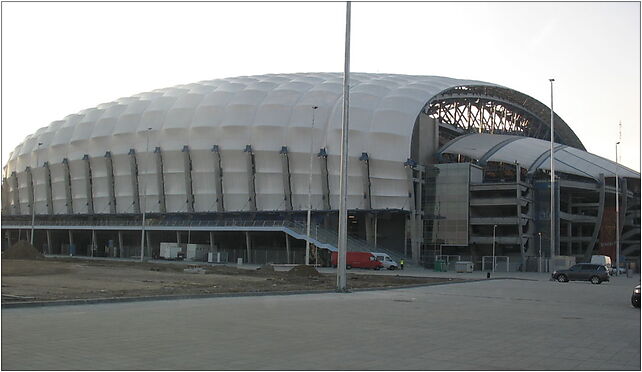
(60, 58)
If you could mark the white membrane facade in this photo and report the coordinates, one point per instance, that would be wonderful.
(250, 120)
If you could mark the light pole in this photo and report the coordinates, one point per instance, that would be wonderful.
(307, 242)
(617, 214)
(552, 234)
(33, 196)
(142, 230)
(540, 252)
(494, 228)
(343, 175)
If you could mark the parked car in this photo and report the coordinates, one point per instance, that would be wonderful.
(364, 260)
(387, 261)
(594, 273)
(635, 298)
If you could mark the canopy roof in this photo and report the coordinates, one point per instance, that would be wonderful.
(533, 154)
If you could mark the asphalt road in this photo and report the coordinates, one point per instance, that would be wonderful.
(502, 324)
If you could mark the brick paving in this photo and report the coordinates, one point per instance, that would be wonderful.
(489, 325)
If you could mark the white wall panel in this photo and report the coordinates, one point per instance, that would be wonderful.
(40, 190)
(58, 193)
(100, 185)
(78, 185)
(123, 184)
(23, 192)
(266, 112)
(269, 181)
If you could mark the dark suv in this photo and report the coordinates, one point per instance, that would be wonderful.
(585, 271)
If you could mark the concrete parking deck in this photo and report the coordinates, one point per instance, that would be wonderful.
(487, 325)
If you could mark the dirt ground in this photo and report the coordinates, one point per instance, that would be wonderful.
(61, 279)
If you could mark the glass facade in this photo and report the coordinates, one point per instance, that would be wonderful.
(447, 204)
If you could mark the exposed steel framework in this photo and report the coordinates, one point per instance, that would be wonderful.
(484, 110)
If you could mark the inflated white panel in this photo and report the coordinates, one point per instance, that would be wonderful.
(235, 180)
(40, 190)
(174, 176)
(147, 183)
(123, 184)
(203, 180)
(268, 181)
(78, 185)
(100, 187)
(58, 194)
(266, 112)
(299, 179)
(23, 192)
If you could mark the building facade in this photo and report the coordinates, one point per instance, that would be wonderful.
(434, 164)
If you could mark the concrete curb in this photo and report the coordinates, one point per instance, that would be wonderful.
(95, 301)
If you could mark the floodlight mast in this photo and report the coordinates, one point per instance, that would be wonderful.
(617, 216)
(33, 197)
(307, 241)
(343, 188)
(142, 228)
(553, 234)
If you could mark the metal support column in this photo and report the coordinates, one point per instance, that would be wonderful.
(410, 170)
(287, 248)
(285, 171)
(15, 193)
(159, 181)
(365, 178)
(212, 245)
(30, 191)
(48, 191)
(598, 219)
(88, 185)
(248, 246)
(189, 192)
(133, 171)
(218, 179)
(121, 250)
(518, 199)
(325, 186)
(6, 194)
(49, 247)
(251, 173)
(67, 181)
(110, 182)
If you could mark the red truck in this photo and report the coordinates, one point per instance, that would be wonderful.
(364, 260)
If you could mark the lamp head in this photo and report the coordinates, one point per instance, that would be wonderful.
(551, 80)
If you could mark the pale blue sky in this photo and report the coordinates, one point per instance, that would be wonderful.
(60, 58)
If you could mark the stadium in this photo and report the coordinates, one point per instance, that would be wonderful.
(437, 167)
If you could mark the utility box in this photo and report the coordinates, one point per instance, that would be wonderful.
(464, 267)
(169, 251)
(197, 252)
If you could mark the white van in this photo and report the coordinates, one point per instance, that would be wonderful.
(388, 263)
(602, 260)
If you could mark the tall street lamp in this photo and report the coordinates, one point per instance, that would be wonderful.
(617, 214)
(553, 232)
(540, 252)
(142, 230)
(494, 228)
(33, 196)
(343, 176)
(307, 241)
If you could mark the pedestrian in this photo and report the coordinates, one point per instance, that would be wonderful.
(401, 264)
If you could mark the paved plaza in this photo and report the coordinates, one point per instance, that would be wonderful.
(502, 324)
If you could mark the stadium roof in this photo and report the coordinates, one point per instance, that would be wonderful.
(266, 111)
(533, 154)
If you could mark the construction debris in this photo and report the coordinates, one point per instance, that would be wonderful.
(22, 251)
